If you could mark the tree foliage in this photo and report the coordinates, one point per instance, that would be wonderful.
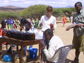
(69, 12)
(35, 11)
(11, 14)
(57, 12)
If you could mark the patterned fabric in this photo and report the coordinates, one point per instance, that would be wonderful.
(78, 18)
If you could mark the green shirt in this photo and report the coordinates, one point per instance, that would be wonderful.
(78, 18)
(36, 24)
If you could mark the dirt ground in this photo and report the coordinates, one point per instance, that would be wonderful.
(66, 37)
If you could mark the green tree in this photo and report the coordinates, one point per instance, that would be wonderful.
(57, 12)
(35, 11)
(11, 14)
(69, 12)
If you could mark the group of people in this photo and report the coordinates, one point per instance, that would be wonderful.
(12, 23)
(78, 30)
(50, 42)
(15, 23)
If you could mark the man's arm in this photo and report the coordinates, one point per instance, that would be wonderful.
(74, 25)
(50, 51)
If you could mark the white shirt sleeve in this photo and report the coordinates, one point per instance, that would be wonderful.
(50, 52)
(54, 23)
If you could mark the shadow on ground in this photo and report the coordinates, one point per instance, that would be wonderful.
(15, 58)
(27, 58)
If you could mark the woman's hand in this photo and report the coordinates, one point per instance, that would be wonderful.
(51, 25)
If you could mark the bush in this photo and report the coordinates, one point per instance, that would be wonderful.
(7, 14)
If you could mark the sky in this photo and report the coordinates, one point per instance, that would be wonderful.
(27, 3)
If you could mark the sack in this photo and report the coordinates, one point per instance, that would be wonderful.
(38, 34)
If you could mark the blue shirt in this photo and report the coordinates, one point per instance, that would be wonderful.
(11, 21)
(8, 22)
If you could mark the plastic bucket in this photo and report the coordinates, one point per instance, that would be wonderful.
(7, 58)
(33, 53)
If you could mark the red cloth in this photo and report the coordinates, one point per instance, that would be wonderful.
(64, 18)
(1, 30)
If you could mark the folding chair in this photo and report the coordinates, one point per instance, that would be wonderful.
(61, 54)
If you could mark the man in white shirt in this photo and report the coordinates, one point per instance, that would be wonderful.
(54, 44)
(48, 21)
